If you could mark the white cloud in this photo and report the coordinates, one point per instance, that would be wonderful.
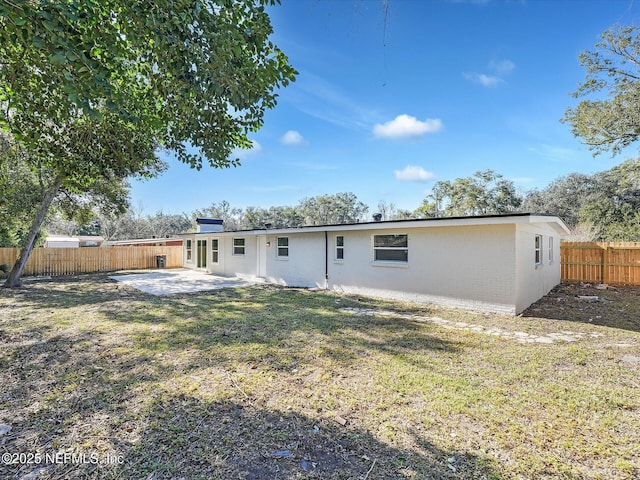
(502, 67)
(483, 79)
(406, 126)
(499, 67)
(293, 138)
(412, 173)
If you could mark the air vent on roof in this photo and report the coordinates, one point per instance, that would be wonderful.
(377, 217)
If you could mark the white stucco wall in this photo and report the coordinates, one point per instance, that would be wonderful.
(230, 264)
(305, 265)
(469, 267)
(489, 267)
(535, 281)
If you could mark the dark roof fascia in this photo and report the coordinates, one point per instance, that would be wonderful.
(209, 221)
(373, 223)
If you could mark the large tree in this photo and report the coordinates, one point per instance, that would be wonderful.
(19, 193)
(338, 208)
(565, 197)
(605, 204)
(91, 90)
(483, 193)
(610, 119)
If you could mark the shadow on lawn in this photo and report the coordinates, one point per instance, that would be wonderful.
(179, 436)
(190, 438)
(257, 324)
(77, 392)
(279, 327)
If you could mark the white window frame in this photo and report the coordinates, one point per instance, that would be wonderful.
(339, 250)
(215, 252)
(236, 247)
(189, 249)
(390, 262)
(285, 248)
(550, 250)
(537, 256)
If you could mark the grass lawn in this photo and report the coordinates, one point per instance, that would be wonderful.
(102, 381)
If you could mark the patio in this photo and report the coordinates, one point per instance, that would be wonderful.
(180, 280)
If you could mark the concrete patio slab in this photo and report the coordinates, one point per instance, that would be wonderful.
(166, 282)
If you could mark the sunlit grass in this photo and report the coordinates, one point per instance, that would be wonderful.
(210, 385)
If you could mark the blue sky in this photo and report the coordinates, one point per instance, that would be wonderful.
(389, 101)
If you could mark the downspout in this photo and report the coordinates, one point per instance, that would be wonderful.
(326, 260)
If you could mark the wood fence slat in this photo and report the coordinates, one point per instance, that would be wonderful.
(615, 263)
(71, 261)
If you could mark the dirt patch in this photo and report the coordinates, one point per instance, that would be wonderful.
(595, 304)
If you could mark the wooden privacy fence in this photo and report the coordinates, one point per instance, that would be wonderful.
(616, 263)
(71, 261)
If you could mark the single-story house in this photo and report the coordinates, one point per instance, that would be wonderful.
(61, 241)
(145, 242)
(497, 263)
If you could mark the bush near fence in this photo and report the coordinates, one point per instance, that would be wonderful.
(614, 263)
(72, 261)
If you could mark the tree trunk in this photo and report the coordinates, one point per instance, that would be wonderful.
(13, 280)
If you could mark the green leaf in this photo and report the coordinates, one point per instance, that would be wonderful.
(58, 58)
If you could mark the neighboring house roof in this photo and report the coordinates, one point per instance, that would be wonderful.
(82, 238)
(138, 241)
(61, 238)
(504, 219)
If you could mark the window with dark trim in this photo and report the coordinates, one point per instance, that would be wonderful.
(189, 251)
(283, 247)
(391, 248)
(339, 247)
(238, 246)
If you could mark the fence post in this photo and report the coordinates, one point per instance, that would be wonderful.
(605, 264)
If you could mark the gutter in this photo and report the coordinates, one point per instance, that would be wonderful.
(326, 260)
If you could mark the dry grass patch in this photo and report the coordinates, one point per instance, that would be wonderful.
(265, 383)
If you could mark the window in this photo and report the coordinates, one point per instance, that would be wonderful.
(550, 250)
(340, 247)
(214, 250)
(390, 248)
(283, 246)
(238, 246)
(538, 249)
(189, 251)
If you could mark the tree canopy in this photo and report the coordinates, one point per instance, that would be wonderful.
(186, 72)
(610, 120)
(483, 193)
(91, 90)
(606, 204)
